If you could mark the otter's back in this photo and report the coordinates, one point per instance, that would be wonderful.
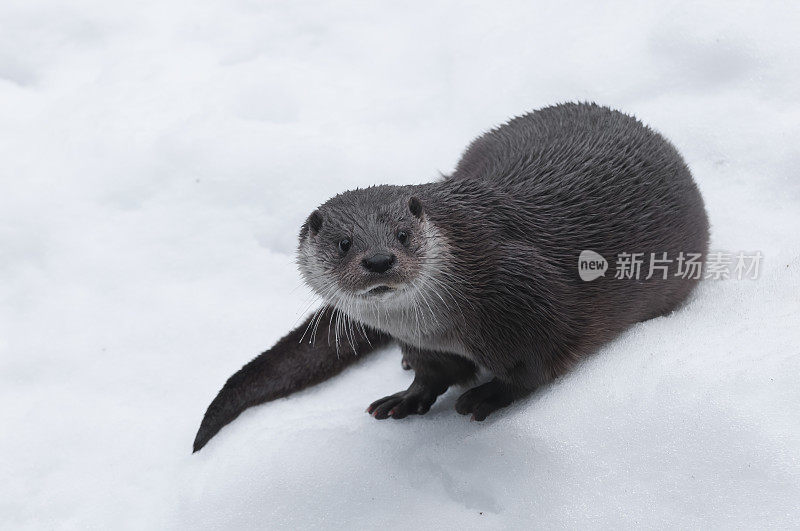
(585, 177)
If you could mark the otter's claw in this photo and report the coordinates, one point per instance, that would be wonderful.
(402, 404)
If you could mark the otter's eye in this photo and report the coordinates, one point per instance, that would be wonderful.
(344, 245)
(402, 236)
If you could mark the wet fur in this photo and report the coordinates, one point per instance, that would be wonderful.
(491, 272)
(291, 365)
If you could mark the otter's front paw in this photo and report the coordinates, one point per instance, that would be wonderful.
(402, 404)
(484, 399)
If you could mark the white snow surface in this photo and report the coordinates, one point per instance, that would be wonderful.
(158, 159)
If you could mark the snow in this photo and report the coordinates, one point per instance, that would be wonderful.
(158, 159)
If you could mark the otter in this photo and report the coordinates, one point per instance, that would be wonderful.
(480, 270)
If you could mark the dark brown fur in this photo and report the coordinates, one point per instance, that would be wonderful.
(289, 366)
(493, 250)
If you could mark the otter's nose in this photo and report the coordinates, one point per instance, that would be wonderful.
(378, 263)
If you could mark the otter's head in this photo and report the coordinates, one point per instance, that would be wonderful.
(366, 245)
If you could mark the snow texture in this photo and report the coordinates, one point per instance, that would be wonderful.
(158, 159)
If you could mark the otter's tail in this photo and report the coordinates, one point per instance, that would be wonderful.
(287, 367)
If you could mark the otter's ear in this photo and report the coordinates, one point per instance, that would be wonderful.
(415, 206)
(315, 222)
